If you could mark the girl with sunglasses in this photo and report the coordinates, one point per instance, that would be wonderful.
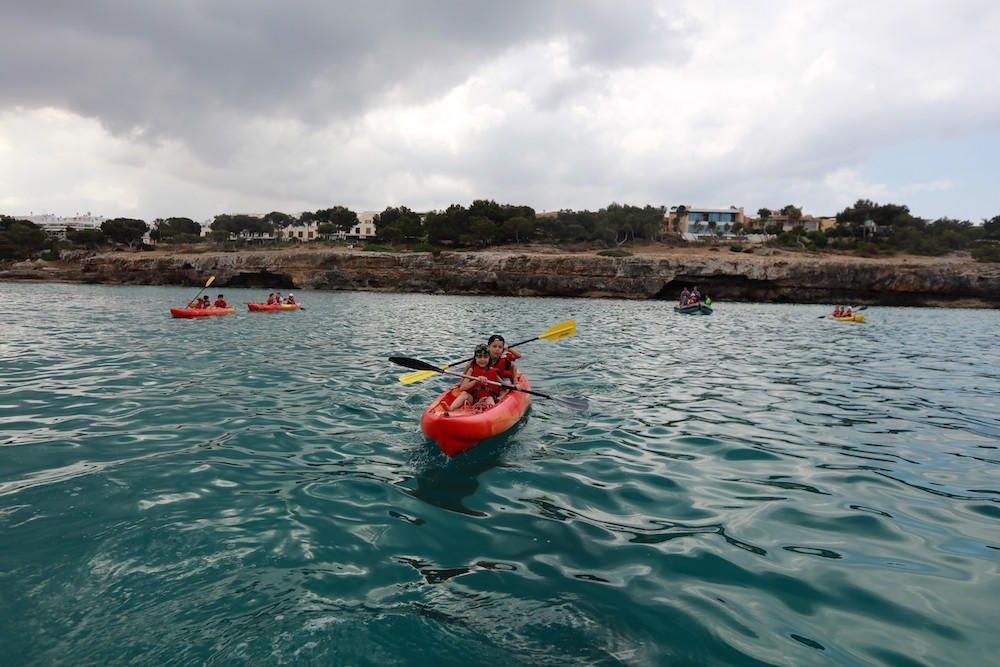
(473, 391)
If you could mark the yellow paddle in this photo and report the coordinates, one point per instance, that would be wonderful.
(556, 332)
(210, 281)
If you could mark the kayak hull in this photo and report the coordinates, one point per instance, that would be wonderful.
(460, 430)
(852, 318)
(191, 313)
(265, 307)
(700, 308)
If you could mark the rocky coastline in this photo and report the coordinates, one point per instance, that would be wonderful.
(725, 275)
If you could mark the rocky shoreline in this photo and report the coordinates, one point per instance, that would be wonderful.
(726, 276)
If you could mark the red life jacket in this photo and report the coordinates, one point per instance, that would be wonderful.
(221, 303)
(505, 367)
(481, 391)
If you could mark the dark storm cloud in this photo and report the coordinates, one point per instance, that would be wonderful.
(180, 69)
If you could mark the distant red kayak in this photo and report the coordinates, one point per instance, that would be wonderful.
(272, 306)
(190, 313)
(458, 430)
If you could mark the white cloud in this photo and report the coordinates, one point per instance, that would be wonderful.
(941, 185)
(711, 103)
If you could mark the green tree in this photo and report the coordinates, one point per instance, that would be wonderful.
(991, 228)
(125, 230)
(448, 225)
(517, 229)
(86, 238)
(21, 239)
(343, 219)
(397, 225)
(175, 230)
(279, 220)
(483, 230)
(793, 212)
(225, 225)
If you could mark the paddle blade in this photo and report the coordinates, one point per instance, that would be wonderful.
(211, 280)
(410, 378)
(581, 404)
(415, 364)
(560, 331)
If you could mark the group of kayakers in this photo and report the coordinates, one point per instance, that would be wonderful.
(843, 311)
(275, 299)
(492, 361)
(693, 295)
(201, 303)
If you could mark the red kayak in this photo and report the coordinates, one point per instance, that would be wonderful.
(272, 306)
(189, 313)
(463, 429)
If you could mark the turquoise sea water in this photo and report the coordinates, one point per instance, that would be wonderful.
(756, 487)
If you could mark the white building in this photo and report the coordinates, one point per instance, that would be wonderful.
(56, 225)
(300, 231)
(303, 231)
(365, 229)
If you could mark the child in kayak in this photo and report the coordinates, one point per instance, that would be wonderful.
(291, 299)
(270, 299)
(472, 390)
(220, 302)
(502, 359)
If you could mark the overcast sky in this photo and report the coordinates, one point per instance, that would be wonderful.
(194, 108)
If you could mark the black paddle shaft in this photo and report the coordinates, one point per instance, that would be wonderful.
(418, 365)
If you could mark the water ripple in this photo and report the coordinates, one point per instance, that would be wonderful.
(757, 487)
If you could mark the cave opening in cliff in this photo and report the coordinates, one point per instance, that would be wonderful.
(263, 278)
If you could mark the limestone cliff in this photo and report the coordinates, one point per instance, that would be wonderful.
(725, 276)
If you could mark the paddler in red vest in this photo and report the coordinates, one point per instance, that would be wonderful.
(471, 390)
(220, 302)
(502, 359)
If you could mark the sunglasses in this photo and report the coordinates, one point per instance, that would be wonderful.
(482, 354)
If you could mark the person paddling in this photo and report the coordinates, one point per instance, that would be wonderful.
(471, 390)
(502, 359)
(220, 302)
(290, 300)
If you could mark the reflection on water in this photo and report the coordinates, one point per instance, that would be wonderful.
(760, 486)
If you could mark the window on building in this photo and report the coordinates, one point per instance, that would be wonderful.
(357, 230)
(696, 217)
